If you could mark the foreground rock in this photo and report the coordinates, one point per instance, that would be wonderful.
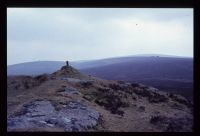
(41, 114)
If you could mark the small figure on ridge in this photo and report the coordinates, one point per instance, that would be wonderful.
(67, 63)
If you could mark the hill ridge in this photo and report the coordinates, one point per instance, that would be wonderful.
(68, 100)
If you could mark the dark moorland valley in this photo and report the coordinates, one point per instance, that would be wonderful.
(151, 93)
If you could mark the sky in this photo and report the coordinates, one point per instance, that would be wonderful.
(59, 34)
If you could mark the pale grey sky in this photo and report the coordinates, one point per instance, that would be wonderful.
(59, 34)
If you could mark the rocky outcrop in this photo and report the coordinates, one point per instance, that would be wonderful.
(69, 71)
(72, 117)
(67, 90)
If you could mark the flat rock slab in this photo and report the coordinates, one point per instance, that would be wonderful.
(71, 79)
(41, 114)
(68, 90)
(71, 90)
(75, 80)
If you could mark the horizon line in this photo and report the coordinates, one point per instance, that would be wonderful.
(136, 55)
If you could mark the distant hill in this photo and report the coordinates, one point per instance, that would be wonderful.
(34, 68)
(169, 73)
(48, 67)
(141, 68)
(41, 67)
(166, 73)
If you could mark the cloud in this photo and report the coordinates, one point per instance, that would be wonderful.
(83, 33)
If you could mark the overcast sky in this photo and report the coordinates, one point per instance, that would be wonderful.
(61, 34)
